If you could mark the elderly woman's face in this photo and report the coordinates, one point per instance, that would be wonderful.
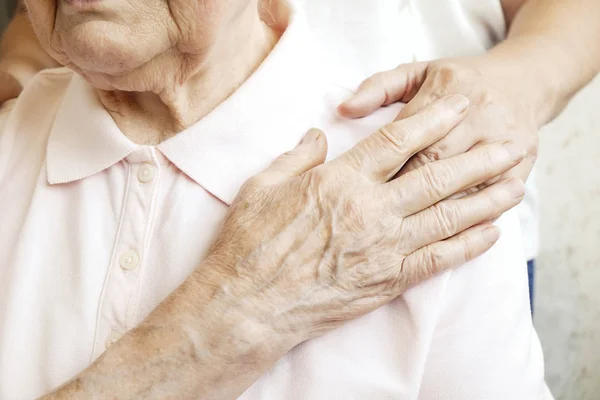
(107, 40)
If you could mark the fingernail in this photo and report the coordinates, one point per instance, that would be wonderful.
(515, 151)
(515, 187)
(457, 102)
(491, 234)
(310, 136)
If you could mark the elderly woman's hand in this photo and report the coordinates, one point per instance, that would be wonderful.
(341, 238)
(497, 112)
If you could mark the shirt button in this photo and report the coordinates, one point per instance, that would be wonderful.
(146, 173)
(129, 260)
(112, 338)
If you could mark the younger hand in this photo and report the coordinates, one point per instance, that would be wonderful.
(496, 113)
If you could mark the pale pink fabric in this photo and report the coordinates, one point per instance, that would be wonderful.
(95, 231)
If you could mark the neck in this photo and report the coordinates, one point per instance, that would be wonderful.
(152, 117)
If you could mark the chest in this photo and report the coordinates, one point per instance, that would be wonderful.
(85, 262)
(90, 259)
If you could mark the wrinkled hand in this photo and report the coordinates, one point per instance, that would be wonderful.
(319, 244)
(496, 112)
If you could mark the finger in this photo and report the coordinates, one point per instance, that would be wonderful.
(460, 140)
(417, 103)
(443, 255)
(449, 217)
(456, 142)
(310, 152)
(520, 171)
(434, 182)
(382, 154)
(383, 88)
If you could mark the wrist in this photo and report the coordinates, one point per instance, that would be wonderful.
(197, 341)
(246, 314)
(527, 70)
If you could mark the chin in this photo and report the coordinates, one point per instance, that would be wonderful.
(101, 47)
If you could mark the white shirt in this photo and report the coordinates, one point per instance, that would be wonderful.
(368, 36)
(96, 231)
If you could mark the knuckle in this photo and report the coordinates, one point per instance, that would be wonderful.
(446, 218)
(352, 212)
(397, 135)
(447, 72)
(490, 159)
(435, 259)
(430, 155)
(467, 249)
(434, 180)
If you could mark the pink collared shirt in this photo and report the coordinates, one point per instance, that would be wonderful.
(96, 231)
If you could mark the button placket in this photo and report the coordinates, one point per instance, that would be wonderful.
(128, 255)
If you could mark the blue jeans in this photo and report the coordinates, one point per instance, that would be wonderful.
(531, 275)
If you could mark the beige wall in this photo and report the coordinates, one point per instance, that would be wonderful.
(568, 288)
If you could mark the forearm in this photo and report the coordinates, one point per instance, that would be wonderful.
(21, 55)
(198, 343)
(549, 53)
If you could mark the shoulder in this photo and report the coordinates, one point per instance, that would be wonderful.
(37, 98)
(53, 81)
(26, 121)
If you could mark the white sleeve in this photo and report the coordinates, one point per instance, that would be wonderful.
(484, 345)
(457, 28)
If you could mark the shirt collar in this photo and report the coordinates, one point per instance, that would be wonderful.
(265, 117)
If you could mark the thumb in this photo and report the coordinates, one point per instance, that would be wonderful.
(383, 88)
(309, 153)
